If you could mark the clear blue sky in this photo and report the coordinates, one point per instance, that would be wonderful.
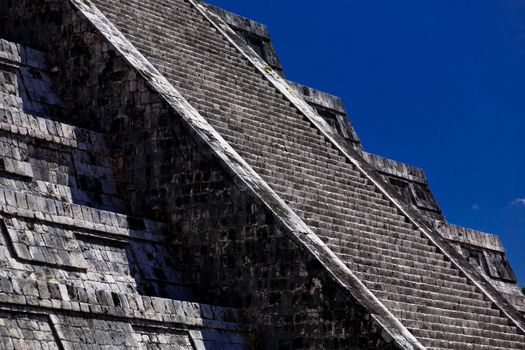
(437, 83)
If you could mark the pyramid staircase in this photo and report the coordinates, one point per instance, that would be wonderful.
(411, 276)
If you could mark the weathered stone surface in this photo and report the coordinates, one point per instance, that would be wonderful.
(78, 271)
(190, 199)
(486, 252)
(255, 34)
(331, 109)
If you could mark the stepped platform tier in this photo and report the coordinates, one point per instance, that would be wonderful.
(77, 269)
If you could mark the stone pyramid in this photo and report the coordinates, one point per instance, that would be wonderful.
(163, 186)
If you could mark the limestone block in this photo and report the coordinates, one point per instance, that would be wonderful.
(40, 243)
(15, 167)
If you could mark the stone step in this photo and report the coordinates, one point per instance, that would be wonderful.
(354, 231)
(314, 220)
(497, 325)
(259, 123)
(172, 31)
(234, 122)
(359, 202)
(460, 341)
(307, 188)
(268, 102)
(325, 187)
(381, 234)
(350, 215)
(396, 264)
(276, 168)
(280, 136)
(257, 146)
(391, 252)
(463, 331)
(313, 201)
(234, 106)
(257, 155)
(381, 239)
(385, 269)
(280, 143)
(185, 52)
(196, 79)
(342, 226)
(185, 26)
(336, 216)
(448, 297)
(428, 284)
(200, 58)
(443, 344)
(417, 311)
(356, 202)
(357, 242)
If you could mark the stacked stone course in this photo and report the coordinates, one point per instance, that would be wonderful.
(78, 270)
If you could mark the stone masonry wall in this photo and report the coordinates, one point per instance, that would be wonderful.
(76, 271)
(234, 249)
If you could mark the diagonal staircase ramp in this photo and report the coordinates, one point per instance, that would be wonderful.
(383, 322)
(437, 295)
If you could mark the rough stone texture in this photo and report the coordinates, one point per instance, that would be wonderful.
(255, 34)
(331, 109)
(486, 252)
(126, 226)
(410, 182)
(78, 271)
